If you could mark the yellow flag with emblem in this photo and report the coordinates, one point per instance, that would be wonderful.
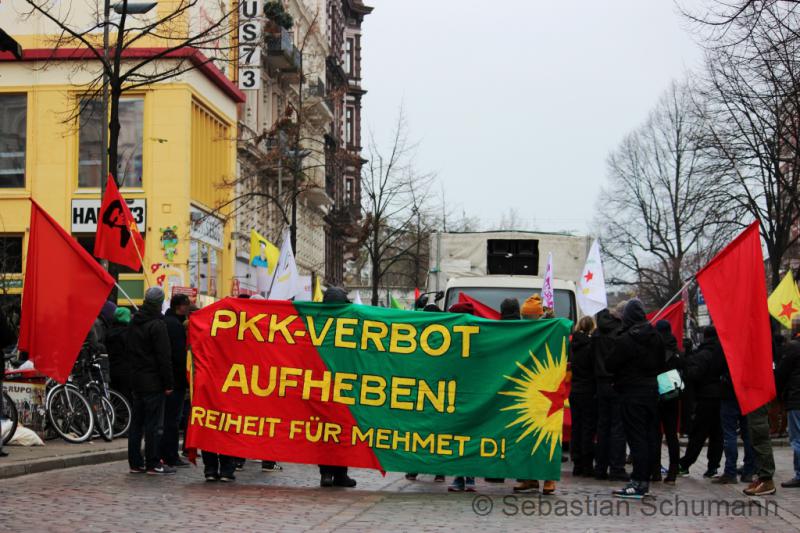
(262, 252)
(784, 302)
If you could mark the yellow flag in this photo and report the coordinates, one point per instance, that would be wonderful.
(262, 252)
(784, 302)
(317, 297)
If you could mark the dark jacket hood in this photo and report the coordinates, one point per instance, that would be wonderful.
(606, 322)
(633, 314)
(146, 313)
(509, 309)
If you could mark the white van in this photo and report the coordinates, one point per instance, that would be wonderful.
(492, 290)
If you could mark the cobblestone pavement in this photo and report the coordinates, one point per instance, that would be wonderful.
(107, 498)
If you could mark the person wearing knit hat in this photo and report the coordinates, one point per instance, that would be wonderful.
(532, 308)
(149, 352)
(116, 344)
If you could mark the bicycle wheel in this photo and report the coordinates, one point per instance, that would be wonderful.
(103, 414)
(122, 413)
(9, 413)
(70, 414)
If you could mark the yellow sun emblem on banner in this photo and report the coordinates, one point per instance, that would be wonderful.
(542, 393)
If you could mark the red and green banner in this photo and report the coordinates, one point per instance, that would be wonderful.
(354, 385)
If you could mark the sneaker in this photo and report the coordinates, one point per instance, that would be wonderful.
(457, 485)
(439, 479)
(469, 485)
(137, 470)
(345, 481)
(161, 469)
(180, 463)
(411, 477)
(270, 466)
(725, 479)
(761, 487)
(631, 491)
(212, 477)
(791, 484)
(683, 472)
(526, 486)
(710, 473)
(326, 480)
(227, 478)
(549, 488)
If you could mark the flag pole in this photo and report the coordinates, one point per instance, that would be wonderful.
(657, 315)
(125, 294)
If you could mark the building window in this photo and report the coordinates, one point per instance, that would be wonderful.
(349, 191)
(348, 126)
(204, 261)
(211, 147)
(131, 139)
(13, 122)
(11, 254)
(349, 57)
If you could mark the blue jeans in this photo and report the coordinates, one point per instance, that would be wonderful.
(794, 440)
(733, 423)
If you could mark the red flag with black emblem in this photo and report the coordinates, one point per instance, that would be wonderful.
(118, 239)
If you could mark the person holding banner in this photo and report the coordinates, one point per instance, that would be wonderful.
(335, 476)
(532, 309)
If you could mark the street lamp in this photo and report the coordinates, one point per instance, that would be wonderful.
(130, 8)
(298, 156)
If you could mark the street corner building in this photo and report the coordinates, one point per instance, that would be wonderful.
(183, 138)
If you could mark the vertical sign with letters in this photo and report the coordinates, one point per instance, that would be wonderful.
(249, 45)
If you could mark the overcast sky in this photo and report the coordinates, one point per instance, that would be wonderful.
(517, 103)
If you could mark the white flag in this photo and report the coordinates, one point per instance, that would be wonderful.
(357, 299)
(287, 283)
(547, 287)
(592, 285)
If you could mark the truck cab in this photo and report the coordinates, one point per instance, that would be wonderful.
(492, 290)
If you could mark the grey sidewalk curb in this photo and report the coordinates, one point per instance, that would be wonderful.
(64, 461)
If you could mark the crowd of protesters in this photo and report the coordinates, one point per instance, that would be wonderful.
(619, 416)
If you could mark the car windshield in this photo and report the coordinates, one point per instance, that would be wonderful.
(493, 296)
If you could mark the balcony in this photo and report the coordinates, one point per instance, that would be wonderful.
(320, 110)
(282, 54)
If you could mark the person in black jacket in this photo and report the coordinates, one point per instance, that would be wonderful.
(582, 399)
(636, 361)
(152, 381)
(610, 449)
(174, 319)
(116, 345)
(668, 409)
(787, 383)
(703, 370)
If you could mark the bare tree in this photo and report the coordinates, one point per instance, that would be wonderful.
(752, 106)
(661, 207)
(395, 203)
(186, 26)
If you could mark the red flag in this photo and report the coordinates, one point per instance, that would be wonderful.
(674, 315)
(118, 239)
(481, 309)
(63, 293)
(735, 291)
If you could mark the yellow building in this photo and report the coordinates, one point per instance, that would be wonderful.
(177, 150)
